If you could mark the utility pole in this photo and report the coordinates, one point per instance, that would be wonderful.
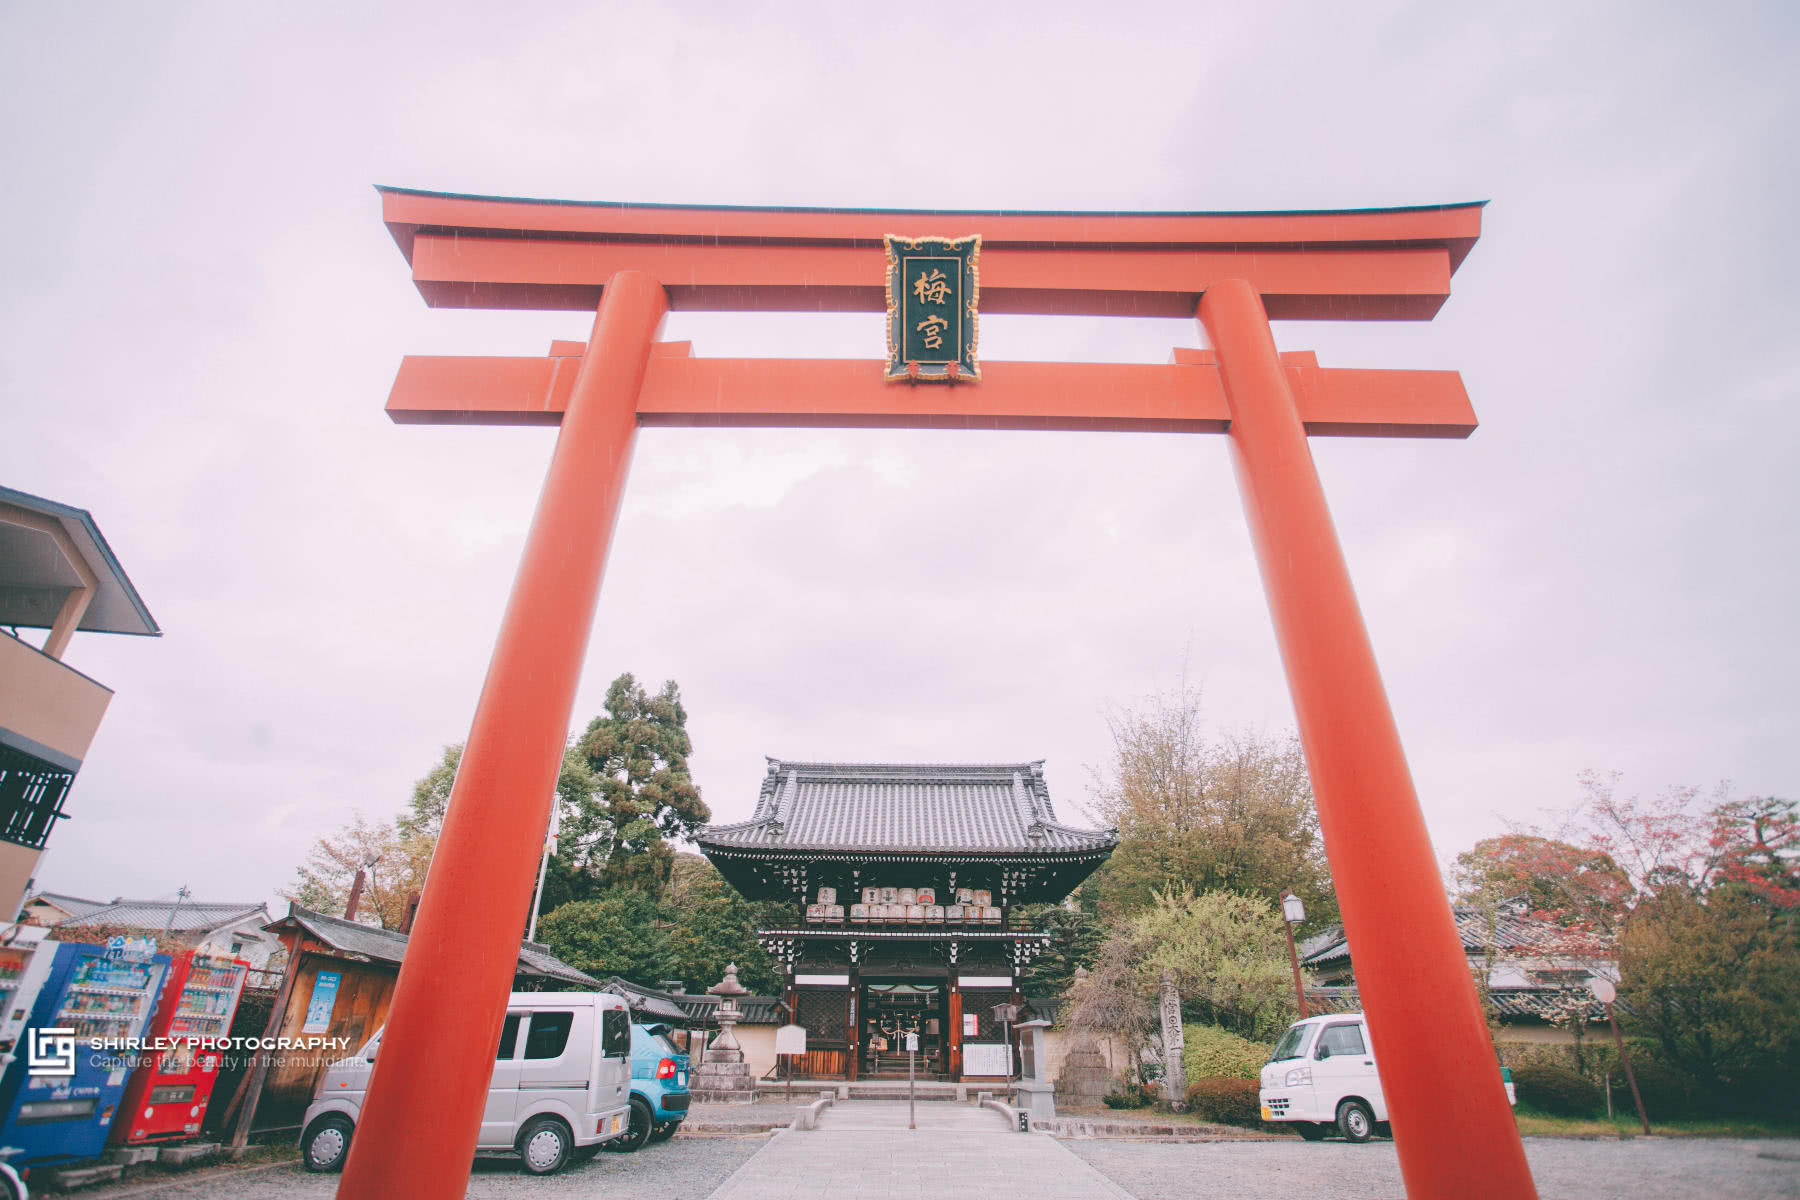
(537, 897)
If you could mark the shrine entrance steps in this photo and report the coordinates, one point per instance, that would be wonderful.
(871, 1115)
(884, 1089)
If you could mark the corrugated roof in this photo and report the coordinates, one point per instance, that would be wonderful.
(384, 945)
(927, 807)
(186, 916)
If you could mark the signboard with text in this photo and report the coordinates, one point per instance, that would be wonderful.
(933, 294)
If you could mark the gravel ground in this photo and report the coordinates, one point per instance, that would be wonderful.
(1565, 1169)
(769, 1114)
(679, 1169)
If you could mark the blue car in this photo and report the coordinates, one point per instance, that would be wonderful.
(659, 1087)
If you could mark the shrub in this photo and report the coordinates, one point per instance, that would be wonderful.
(1228, 1101)
(1668, 1094)
(1557, 1091)
(1131, 1097)
(1209, 1052)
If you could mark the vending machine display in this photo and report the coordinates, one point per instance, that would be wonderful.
(24, 964)
(167, 1096)
(56, 1106)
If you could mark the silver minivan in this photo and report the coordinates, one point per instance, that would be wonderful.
(560, 1091)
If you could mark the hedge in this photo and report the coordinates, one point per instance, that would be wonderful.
(1556, 1091)
(1213, 1053)
(1226, 1100)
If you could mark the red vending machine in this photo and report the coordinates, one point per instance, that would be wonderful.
(167, 1097)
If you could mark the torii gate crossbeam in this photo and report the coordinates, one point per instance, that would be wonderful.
(1453, 1129)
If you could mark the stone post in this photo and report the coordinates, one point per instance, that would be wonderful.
(1174, 1074)
(1036, 1092)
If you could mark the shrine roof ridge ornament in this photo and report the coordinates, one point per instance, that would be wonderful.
(1315, 264)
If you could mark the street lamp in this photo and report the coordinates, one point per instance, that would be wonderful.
(1606, 993)
(1293, 912)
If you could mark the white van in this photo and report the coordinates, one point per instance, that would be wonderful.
(560, 1091)
(1321, 1076)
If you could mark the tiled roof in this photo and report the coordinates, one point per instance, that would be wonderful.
(384, 945)
(646, 1004)
(1519, 1004)
(187, 916)
(1512, 932)
(922, 807)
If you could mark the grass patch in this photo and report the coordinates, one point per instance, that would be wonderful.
(1532, 1122)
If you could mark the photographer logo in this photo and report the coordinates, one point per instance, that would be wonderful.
(50, 1051)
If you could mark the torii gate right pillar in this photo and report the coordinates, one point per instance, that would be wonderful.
(1454, 1131)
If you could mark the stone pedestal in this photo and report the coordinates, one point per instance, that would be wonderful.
(724, 1078)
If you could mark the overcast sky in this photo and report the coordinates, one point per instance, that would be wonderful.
(201, 314)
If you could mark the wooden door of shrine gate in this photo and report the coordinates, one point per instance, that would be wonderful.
(1236, 271)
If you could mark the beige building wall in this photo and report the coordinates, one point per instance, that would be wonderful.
(49, 703)
(758, 1042)
(55, 706)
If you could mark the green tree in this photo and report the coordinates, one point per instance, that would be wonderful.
(1076, 935)
(624, 932)
(1233, 812)
(642, 797)
(1228, 954)
(1716, 982)
(714, 926)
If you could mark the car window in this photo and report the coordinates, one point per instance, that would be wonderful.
(1341, 1039)
(663, 1043)
(548, 1034)
(509, 1033)
(615, 1033)
(374, 1045)
(1292, 1043)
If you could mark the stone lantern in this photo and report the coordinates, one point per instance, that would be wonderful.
(724, 1078)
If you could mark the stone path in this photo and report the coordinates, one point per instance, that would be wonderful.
(862, 1150)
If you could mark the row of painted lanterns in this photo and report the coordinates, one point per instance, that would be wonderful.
(914, 906)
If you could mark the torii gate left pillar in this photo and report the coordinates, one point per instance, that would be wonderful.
(1454, 1132)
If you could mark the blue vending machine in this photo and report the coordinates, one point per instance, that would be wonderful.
(59, 1093)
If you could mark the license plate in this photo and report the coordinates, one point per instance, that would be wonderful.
(681, 1079)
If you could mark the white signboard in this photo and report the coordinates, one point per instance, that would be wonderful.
(912, 1041)
(985, 1058)
(790, 1039)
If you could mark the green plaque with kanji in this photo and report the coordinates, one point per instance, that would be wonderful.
(933, 304)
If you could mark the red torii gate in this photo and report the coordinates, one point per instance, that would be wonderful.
(632, 263)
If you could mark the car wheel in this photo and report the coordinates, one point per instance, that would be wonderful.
(638, 1133)
(545, 1145)
(11, 1186)
(1310, 1130)
(327, 1144)
(1355, 1121)
(664, 1132)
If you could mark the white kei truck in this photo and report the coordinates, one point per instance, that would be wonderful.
(561, 1087)
(1321, 1078)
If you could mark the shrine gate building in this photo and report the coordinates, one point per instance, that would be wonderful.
(905, 881)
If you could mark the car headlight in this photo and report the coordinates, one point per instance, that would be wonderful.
(1299, 1076)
